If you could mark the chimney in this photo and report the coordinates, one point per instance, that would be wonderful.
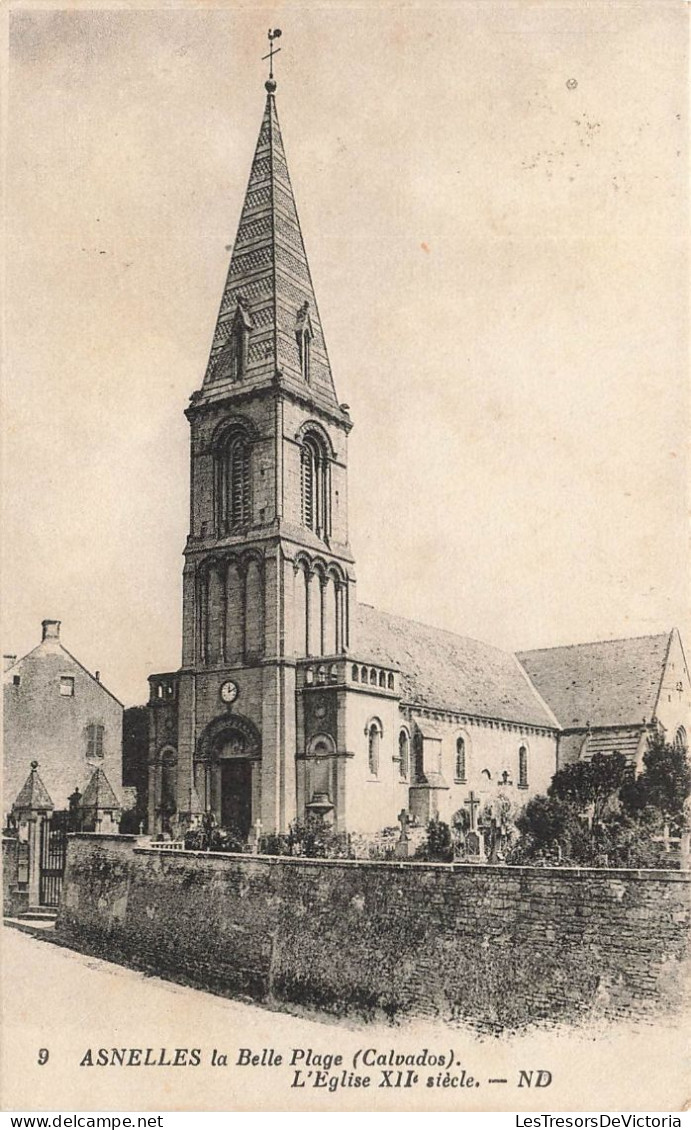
(51, 629)
(8, 661)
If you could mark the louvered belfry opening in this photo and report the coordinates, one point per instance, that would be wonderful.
(314, 486)
(233, 482)
(307, 471)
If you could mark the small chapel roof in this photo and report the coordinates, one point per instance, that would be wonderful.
(99, 792)
(450, 672)
(608, 683)
(33, 793)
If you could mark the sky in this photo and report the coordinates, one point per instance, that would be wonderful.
(493, 199)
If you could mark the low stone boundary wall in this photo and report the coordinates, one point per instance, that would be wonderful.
(15, 880)
(500, 946)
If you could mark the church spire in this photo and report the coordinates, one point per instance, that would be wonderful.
(268, 323)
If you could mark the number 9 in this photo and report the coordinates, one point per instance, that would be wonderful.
(43, 1054)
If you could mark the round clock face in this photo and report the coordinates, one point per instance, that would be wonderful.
(229, 691)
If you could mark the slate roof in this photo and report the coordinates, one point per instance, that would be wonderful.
(99, 792)
(610, 683)
(269, 272)
(617, 740)
(450, 672)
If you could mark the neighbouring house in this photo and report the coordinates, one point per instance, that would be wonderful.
(60, 715)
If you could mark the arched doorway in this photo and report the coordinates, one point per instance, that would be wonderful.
(228, 773)
(235, 785)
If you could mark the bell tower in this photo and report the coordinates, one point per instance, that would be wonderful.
(268, 576)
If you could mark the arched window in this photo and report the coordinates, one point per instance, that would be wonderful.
(382, 678)
(233, 481)
(233, 358)
(390, 682)
(304, 335)
(314, 478)
(523, 768)
(404, 754)
(419, 751)
(320, 751)
(374, 733)
(356, 674)
(680, 740)
(460, 759)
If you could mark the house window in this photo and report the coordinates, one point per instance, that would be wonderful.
(233, 482)
(460, 759)
(523, 768)
(404, 754)
(67, 686)
(374, 731)
(94, 740)
(314, 485)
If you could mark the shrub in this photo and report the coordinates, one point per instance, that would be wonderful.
(438, 846)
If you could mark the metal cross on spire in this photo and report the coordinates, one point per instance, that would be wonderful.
(273, 34)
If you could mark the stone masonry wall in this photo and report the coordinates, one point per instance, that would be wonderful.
(15, 894)
(499, 946)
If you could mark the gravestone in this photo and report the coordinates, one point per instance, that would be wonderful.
(474, 846)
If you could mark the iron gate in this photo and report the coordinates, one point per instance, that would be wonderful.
(53, 855)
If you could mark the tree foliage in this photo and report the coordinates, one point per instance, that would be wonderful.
(439, 844)
(593, 783)
(544, 819)
(664, 784)
(598, 813)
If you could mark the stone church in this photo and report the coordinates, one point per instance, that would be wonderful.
(294, 698)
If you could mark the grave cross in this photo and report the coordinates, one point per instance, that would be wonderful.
(472, 802)
(403, 820)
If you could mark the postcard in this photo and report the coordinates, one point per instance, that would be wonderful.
(346, 416)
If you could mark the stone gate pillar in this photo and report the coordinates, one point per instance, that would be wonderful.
(31, 810)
